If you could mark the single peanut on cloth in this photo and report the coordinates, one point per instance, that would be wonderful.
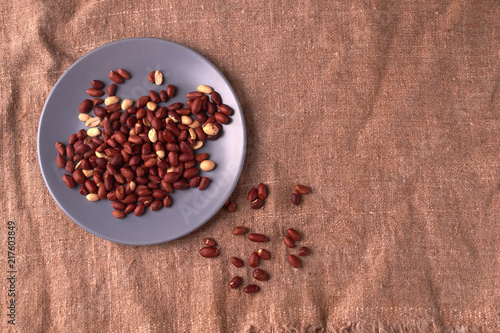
(296, 198)
(254, 260)
(237, 262)
(289, 241)
(239, 230)
(252, 194)
(260, 275)
(232, 206)
(235, 282)
(264, 254)
(209, 252)
(294, 261)
(251, 288)
(294, 234)
(257, 203)
(301, 189)
(209, 242)
(259, 238)
(262, 191)
(303, 251)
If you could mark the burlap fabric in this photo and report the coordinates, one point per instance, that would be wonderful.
(388, 110)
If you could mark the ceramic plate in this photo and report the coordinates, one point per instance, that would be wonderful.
(182, 67)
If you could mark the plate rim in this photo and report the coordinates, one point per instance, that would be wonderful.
(241, 162)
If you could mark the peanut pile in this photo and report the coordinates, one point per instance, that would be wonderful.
(137, 155)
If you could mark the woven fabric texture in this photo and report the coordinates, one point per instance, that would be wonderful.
(389, 111)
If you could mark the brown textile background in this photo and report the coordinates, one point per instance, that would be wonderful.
(388, 110)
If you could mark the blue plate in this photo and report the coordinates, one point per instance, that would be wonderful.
(182, 67)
